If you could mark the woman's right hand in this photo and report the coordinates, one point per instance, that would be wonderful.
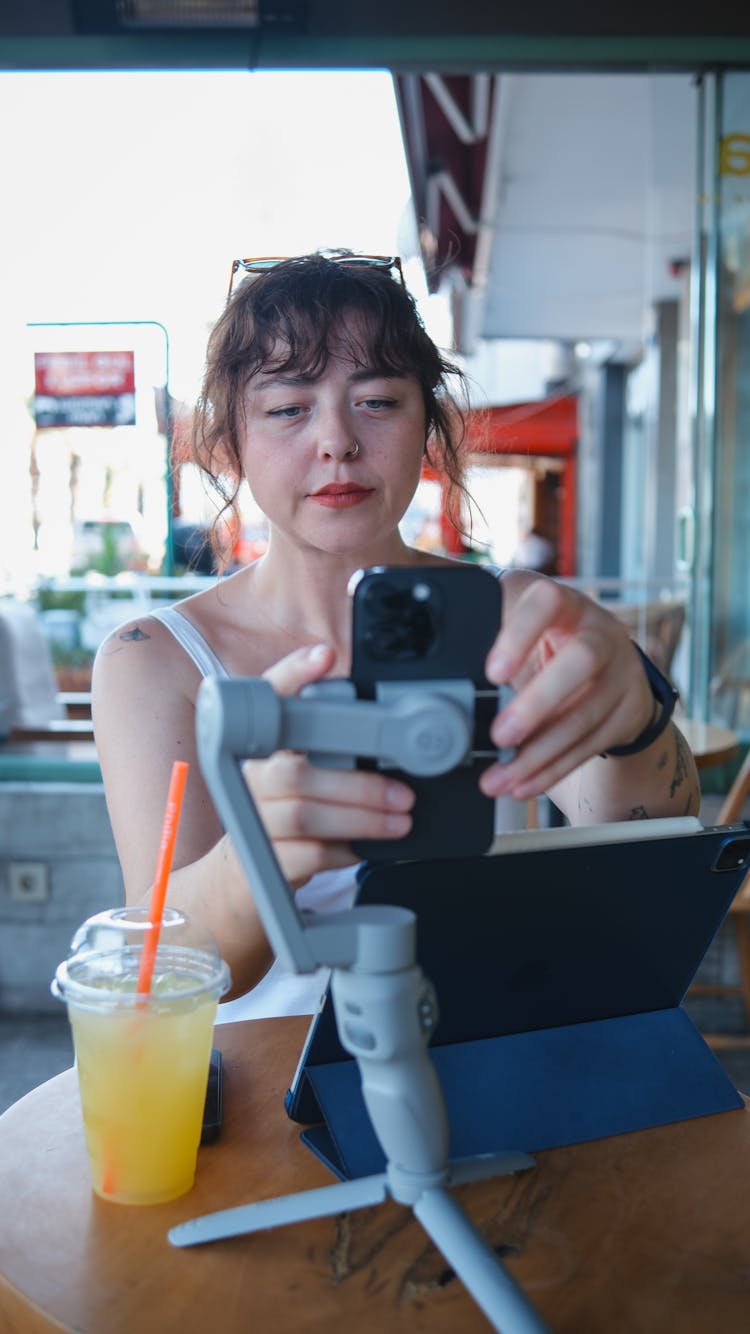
(312, 813)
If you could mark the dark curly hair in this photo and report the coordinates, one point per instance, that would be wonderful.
(305, 304)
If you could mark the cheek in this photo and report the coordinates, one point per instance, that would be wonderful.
(264, 457)
(405, 446)
(269, 474)
(410, 459)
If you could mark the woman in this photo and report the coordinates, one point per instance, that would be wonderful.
(323, 391)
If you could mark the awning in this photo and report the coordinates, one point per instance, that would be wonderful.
(545, 427)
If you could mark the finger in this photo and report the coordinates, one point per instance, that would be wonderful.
(591, 684)
(298, 669)
(574, 675)
(288, 774)
(542, 606)
(593, 721)
(300, 860)
(293, 818)
(543, 763)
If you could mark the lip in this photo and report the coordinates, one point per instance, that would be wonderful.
(340, 495)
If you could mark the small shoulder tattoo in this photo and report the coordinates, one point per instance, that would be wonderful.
(115, 642)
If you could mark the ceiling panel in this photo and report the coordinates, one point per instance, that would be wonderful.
(584, 208)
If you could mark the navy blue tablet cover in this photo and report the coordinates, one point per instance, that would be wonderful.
(560, 973)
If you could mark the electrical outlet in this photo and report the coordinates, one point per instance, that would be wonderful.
(29, 881)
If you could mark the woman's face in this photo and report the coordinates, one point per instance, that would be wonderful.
(333, 461)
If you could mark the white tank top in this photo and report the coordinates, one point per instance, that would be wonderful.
(191, 640)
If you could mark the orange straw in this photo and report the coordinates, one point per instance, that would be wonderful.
(163, 867)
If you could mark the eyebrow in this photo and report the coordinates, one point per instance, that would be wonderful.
(300, 379)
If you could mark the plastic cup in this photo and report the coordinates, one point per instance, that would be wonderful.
(142, 1060)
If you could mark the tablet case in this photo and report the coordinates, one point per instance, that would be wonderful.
(560, 967)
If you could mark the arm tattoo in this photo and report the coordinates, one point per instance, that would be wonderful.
(638, 813)
(681, 766)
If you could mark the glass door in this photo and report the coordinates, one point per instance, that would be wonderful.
(721, 598)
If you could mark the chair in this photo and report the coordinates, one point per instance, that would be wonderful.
(655, 626)
(31, 707)
(730, 687)
(739, 912)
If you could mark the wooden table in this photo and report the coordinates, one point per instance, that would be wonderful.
(709, 743)
(646, 1233)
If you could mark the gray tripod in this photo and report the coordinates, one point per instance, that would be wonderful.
(385, 1008)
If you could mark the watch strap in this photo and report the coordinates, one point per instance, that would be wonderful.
(665, 695)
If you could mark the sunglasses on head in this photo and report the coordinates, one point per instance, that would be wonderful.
(262, 263)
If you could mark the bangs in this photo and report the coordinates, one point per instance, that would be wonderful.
(305, 347)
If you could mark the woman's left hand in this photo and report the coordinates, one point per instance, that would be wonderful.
(579, 685)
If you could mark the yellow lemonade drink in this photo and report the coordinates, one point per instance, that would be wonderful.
(142, 1077)
(142, 1059)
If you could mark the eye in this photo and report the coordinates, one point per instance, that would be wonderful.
(290, 412)
(379, 404)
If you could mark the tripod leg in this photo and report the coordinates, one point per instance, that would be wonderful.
(264, 1214)
(494, 1290)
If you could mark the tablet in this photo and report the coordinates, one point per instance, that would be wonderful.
(558, 930)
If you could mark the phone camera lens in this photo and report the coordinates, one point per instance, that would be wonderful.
(402, 621)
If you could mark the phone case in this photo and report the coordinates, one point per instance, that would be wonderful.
(428, 623)
(212, 1107)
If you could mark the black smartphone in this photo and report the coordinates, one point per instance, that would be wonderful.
(212, 1107)
(428, 623)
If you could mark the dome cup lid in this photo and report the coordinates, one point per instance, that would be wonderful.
(105, 953)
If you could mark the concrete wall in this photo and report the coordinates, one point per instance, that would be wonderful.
(63, 827)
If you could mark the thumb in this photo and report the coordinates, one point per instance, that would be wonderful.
(298, 669)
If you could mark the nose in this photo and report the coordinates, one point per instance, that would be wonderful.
(336, 436)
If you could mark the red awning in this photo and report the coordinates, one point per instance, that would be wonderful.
(547, 426)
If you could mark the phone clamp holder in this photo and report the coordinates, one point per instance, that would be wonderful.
(385, 1008)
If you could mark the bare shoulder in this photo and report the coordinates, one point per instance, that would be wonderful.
(517, 581)
(140, 650)
(140, 631)
(143, 692)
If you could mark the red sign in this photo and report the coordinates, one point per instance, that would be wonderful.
(62, 374)
(84, 388)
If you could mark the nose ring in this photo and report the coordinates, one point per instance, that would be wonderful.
(354, 449)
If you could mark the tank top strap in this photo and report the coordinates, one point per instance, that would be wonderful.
(191, 640)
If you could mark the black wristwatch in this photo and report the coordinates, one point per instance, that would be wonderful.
(665, 694)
